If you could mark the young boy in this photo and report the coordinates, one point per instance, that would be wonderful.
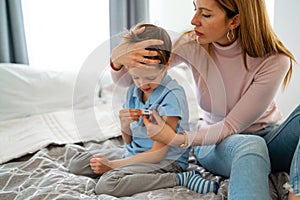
(147, 164)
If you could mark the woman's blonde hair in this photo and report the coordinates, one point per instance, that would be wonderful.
(255, 32)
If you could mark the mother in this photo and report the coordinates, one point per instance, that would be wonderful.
(238, 64)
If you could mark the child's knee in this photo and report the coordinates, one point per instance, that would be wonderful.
(106, 185)
(74, 166)
(110, 184)
(80, 166)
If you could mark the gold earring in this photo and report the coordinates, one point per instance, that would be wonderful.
(230, 35)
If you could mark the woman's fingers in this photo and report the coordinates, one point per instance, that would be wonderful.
(136, 54)
(139, 30)
(158, 118)
(151, 42)
(154, 129)
(146, 120)
(141, 53)
(155, 116)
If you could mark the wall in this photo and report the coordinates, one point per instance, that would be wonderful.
(173, 15)
(286, 25)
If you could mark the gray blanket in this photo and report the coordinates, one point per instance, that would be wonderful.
(45, 175)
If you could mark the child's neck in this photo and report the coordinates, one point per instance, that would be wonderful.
(145, 97)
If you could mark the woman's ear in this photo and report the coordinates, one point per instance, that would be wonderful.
(235, 22)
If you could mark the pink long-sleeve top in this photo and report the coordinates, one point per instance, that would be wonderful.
(233, 99)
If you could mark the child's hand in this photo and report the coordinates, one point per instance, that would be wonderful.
(100, 164)
(127, 116)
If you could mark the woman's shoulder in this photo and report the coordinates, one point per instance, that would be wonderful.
(269, 62)
(186, 49)
(280, 57)
(188, 37)
(185, 38)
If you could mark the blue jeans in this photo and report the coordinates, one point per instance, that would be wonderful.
(249, 158)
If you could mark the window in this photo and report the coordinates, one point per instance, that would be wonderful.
(61, 34)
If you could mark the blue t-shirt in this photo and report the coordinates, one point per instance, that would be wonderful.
(168, 99)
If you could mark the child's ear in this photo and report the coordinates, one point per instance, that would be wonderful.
(168, 64)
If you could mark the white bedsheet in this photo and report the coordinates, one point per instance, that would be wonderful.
(27, 135)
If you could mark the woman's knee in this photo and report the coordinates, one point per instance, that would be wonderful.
(232, 149)
(252, 145)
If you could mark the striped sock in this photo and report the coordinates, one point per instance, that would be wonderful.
(201, 185)
(184, 177)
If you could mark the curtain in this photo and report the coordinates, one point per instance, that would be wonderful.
(13, 47)
(124, 14)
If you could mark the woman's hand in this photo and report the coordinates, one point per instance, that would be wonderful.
(133, 54)
(100, 164)
(160, 131)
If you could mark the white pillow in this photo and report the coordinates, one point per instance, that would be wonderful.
(26, 90)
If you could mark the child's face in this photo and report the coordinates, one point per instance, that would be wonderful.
(147, 79)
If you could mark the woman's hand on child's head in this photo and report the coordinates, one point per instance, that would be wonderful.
(100, 164)
(133, 54)
(159, 131)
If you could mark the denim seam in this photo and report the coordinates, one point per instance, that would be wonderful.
(295, 181)
(282, 127)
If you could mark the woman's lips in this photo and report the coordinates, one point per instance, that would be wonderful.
(199, 33)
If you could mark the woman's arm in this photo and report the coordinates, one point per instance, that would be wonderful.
(127, 55)
(251, 106)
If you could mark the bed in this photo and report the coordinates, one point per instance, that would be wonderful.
(47, 116)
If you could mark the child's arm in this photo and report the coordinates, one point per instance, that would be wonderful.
(127, 137)
(126, 117)
(100, 164)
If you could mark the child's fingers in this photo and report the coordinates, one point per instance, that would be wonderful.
(135, 112)
(130, 114)
(98, 156)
